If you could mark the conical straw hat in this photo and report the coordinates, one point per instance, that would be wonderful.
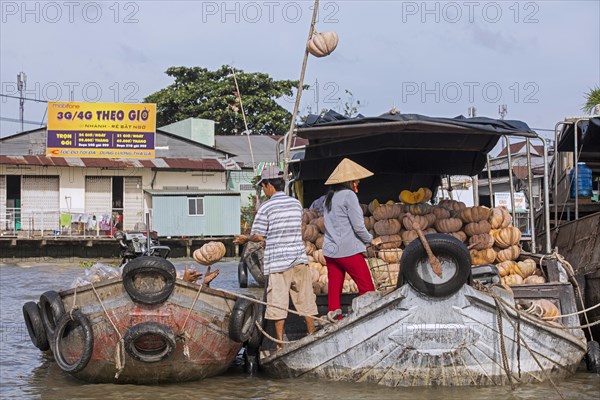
(347, 171)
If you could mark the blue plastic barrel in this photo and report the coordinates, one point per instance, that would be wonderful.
(584, 181)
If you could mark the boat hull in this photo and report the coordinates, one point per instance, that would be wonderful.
(406, 339)
(206, 351)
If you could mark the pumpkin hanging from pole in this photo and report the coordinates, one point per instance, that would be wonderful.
(322, 44)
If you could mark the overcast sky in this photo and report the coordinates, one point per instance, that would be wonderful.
(434, 58)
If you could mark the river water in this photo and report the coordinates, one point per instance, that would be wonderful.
(25, 373)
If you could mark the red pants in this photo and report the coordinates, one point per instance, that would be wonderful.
(356, 267)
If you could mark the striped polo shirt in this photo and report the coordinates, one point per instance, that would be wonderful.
(279, 220)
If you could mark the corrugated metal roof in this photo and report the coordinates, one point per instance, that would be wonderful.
(188, 192)
(158, 163)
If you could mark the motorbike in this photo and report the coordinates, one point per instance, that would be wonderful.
(137, 244)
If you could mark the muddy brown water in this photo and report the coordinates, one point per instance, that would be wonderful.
(25, 373)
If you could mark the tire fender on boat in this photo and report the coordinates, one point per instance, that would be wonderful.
(153, 269)
(592, 357)
(159, 346)
(35, 326)
(51, 311)
(241, 323)
(256, 338)
(242, 274)
(87, 335)
(416, 269)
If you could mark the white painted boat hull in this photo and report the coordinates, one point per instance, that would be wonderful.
(406, 339)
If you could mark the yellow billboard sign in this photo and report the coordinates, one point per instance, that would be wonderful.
(101, 130)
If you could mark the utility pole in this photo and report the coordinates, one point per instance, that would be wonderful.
(21, 86)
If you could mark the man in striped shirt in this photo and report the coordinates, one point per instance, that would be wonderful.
(279, 221)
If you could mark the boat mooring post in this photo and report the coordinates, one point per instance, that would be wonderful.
(530, 197)
(546, 195)
(489, 174)
(510, 180)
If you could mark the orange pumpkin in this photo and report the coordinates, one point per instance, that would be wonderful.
(369, 222)
(322, 44)
(460, 235)
(452, 205)
(475, 214)
(365, 209)
(373, 205)
(420, 196)
(440, 212)
(480, 257)
(310, 233)
(525, 268)
(534, 280)
(387, 227)
(319, 241)
(506, 237)
(318, 256)
(512, 279)
(418, 209)
(209, 253)
(391, 256)
(409, 236)
(388, 241)
(506, 267)
(421, 222)
(477, 228)
(551, 311)
(387, 211)
(508, 254)
(481, 241)
(448, 225)
(499, 217)
(309, 247)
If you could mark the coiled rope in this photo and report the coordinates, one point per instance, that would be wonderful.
(571, 273)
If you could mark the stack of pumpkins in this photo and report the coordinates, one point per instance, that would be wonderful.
(313, 230)
(384, 262)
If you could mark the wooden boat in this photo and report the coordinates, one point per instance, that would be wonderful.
(452, 333)
(406, 338)
(107, 332)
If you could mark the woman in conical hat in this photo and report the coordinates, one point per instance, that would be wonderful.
(345, 234)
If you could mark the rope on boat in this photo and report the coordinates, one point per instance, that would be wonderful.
(501, 307)
(241, 296)
(571, 273)
(260, 328)
(575, 313)
(183, 335)
(505, 364)
(120, 348)
(74, 305)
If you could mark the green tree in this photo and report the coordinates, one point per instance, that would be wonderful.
(200, 93)
(592, 98)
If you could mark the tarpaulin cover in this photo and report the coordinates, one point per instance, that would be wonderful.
(404, 151)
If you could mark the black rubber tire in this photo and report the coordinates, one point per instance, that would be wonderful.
(35, 326)
(442, 246)
(241, 322)
(149, 328)
(88, 342)
(257, 337)
(251, 362)
(592, 357)
(242, 274)
(149, 265)
(51, 311)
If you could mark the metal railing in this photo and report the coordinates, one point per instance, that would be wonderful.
(44, 223)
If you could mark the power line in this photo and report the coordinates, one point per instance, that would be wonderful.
(24, 98)
(18, 120)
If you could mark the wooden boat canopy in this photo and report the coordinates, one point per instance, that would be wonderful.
(402, 150)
